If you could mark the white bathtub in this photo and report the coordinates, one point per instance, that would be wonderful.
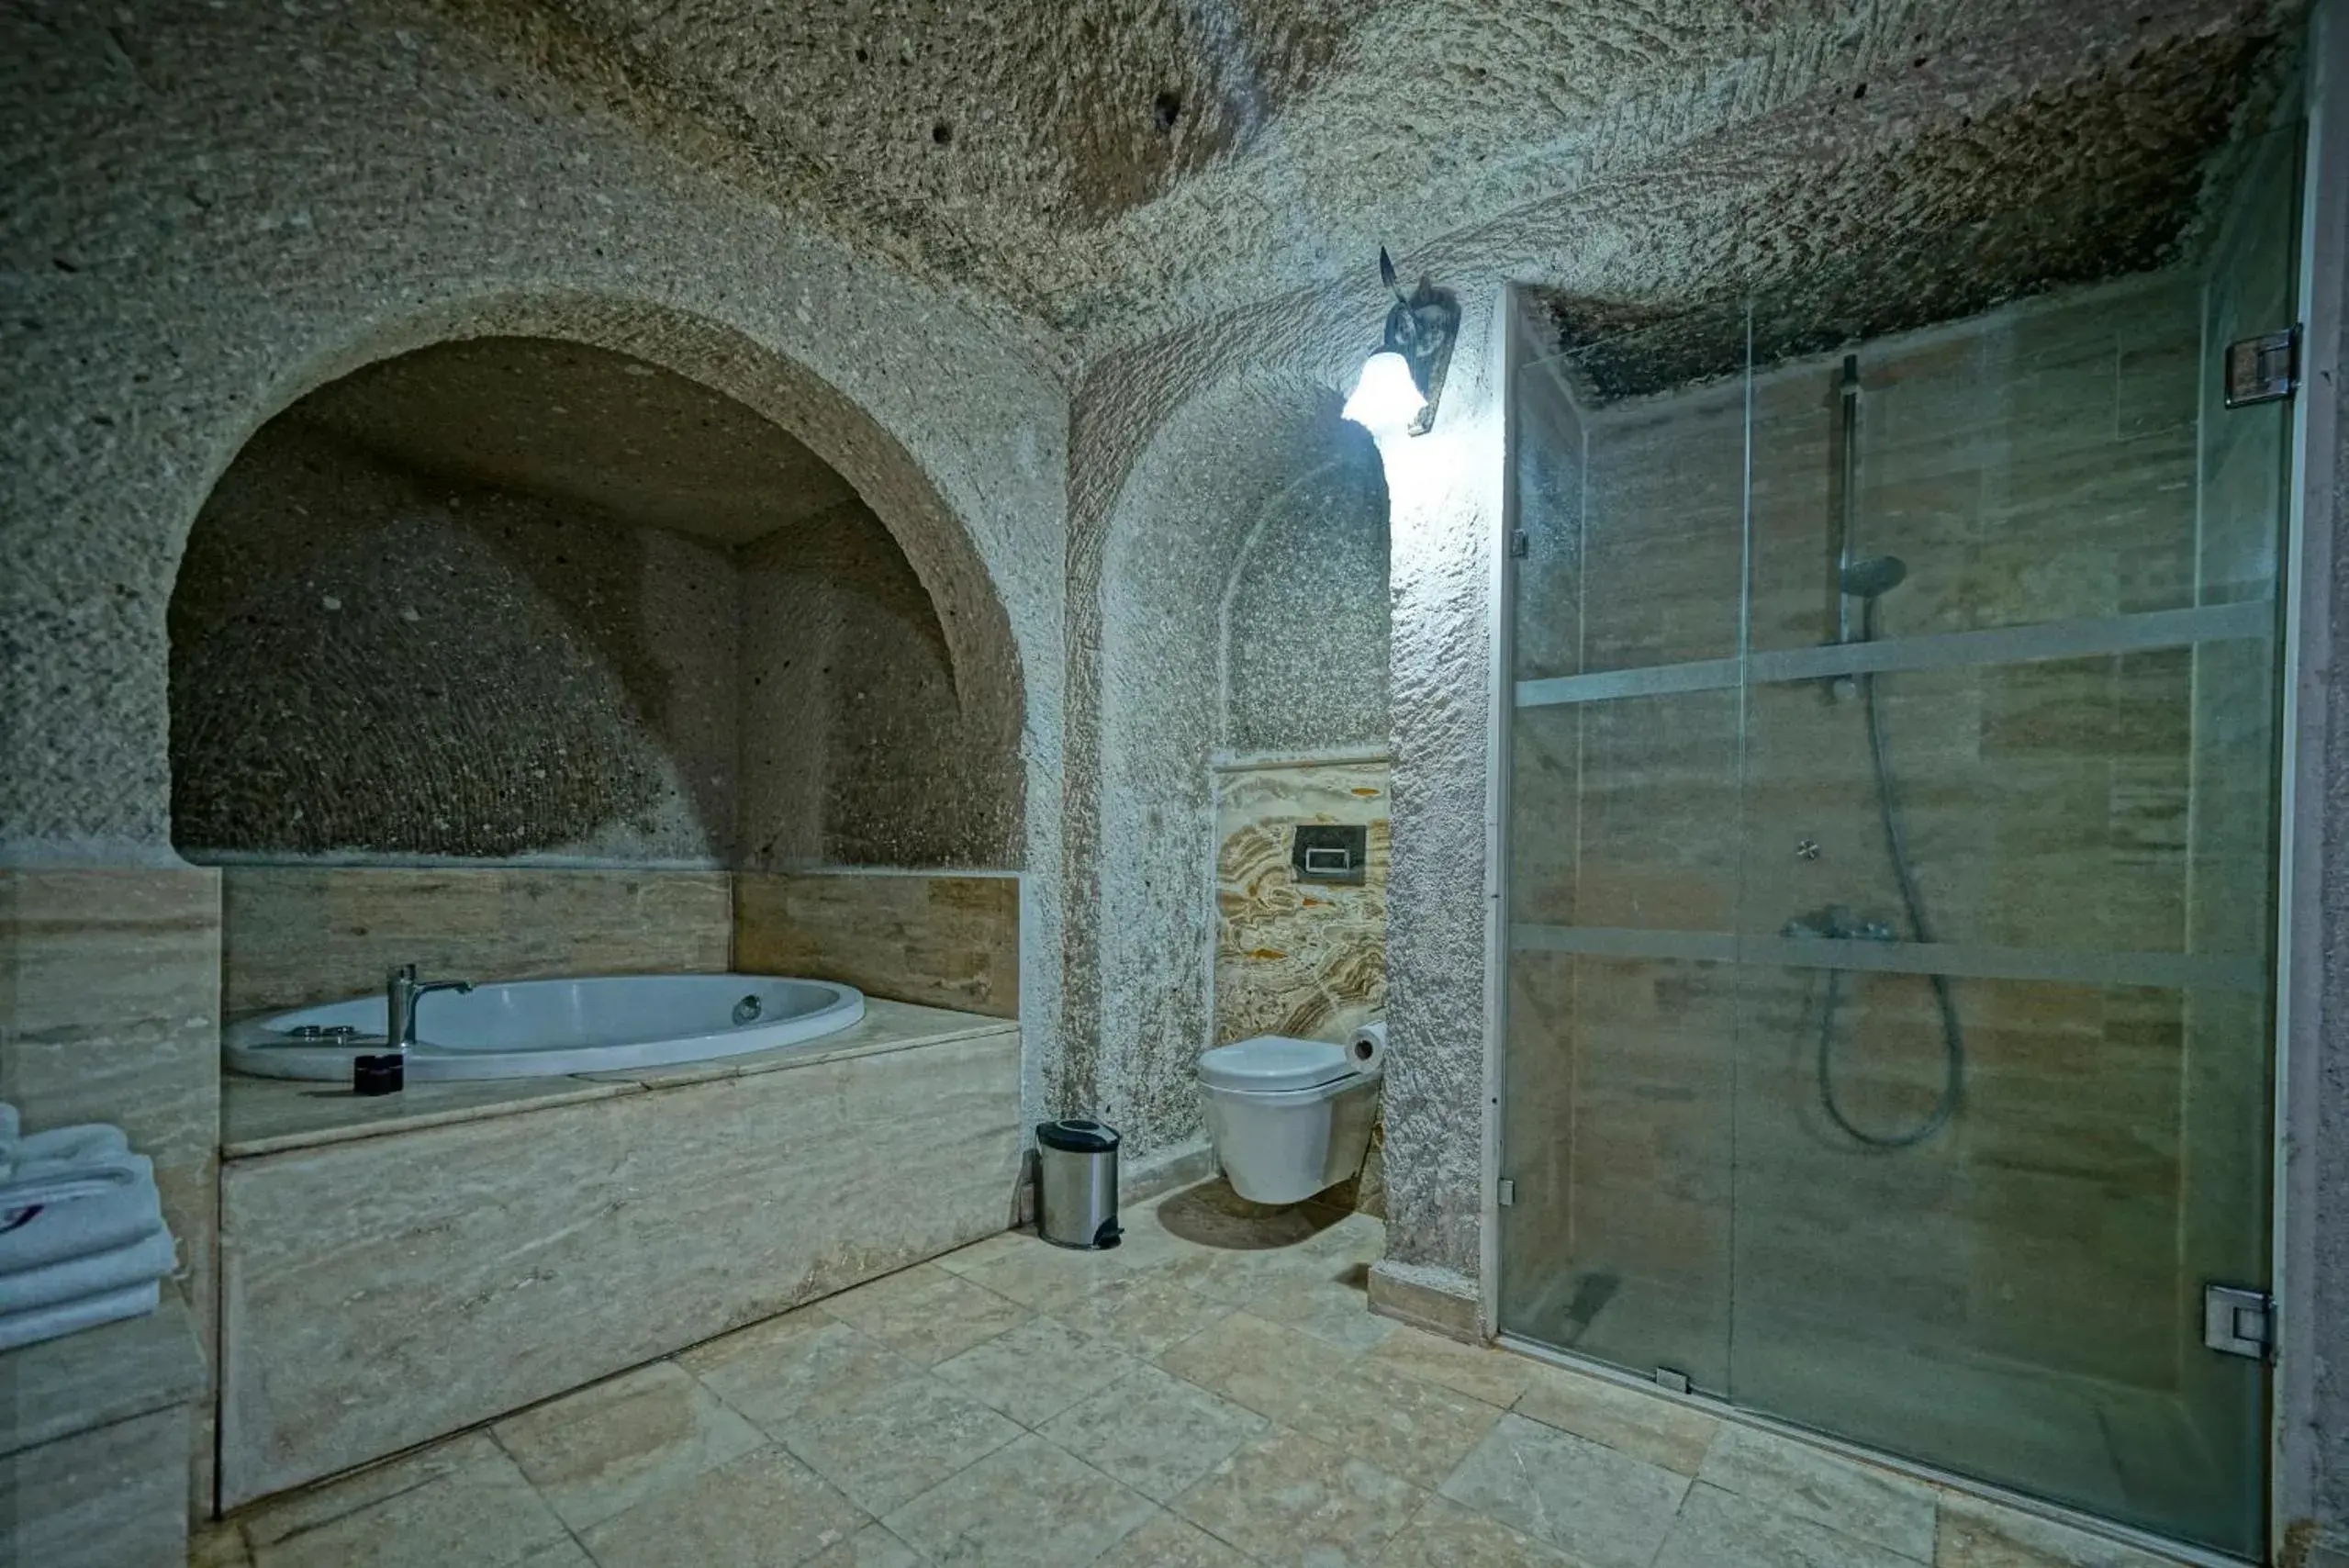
(544, 1028)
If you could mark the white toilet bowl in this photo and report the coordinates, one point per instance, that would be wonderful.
(1288, 1117)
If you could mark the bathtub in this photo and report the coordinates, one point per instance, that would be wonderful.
(546, 1028)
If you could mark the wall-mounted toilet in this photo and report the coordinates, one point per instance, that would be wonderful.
(1288, 1117)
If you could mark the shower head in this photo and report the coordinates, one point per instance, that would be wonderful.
(1873, 576)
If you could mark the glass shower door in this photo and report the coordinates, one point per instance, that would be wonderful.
(1623, 800)
(1892, 820)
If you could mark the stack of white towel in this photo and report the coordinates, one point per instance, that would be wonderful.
(82, 1239)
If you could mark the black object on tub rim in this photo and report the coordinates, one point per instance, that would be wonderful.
(1077, 1135)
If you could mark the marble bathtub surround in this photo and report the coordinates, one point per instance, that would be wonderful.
(268, 1115)
(492, 1276)
(109, 1012)
(95, 1443)
(827, 1437)
(943, 940)
(298, 934)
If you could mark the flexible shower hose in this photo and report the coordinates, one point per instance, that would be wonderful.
(1952, 1037)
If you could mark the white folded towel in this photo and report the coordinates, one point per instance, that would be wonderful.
(69, 1162)
(98, 1273)
(70, 1318)
(52, 1233)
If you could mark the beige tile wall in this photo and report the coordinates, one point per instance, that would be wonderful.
(300, 933)
(942, 941)
(109, 1012)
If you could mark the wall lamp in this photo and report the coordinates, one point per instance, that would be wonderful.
(1401, 383)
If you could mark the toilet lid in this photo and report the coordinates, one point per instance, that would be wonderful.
(1274, 1062)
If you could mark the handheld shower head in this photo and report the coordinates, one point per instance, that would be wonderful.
(1872, 577)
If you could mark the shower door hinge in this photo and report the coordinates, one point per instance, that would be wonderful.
(1520, 544)
(2262, 369)
(2238, 1322)
(1505, 1193)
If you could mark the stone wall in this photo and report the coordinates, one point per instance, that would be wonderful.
(367, 663)
(220, 212)
(1241, 605)
(861, 741)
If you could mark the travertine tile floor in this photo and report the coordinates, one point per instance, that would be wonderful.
(1213, 1394)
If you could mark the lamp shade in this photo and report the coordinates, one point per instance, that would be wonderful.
(1386, 399)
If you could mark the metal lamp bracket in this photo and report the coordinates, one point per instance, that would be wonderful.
(1421, 327)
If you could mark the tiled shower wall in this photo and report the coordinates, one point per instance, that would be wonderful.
(2039, 464)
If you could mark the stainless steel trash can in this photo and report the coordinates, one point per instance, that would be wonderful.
(1077, 1184)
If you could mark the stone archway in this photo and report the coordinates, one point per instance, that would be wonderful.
(880, 693)
(1228, 496)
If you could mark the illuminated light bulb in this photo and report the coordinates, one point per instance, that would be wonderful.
(1386, 399)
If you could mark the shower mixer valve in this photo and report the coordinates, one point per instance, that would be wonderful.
(1838, 922)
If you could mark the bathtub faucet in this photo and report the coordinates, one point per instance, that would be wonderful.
(402, 991)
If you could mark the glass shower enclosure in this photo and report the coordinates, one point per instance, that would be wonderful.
(1892, 808)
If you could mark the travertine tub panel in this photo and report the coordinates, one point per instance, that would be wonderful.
(942, 941)
(386, 1291)
(110, 1011)
(295, 935)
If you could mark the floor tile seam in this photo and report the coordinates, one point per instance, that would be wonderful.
(766, 1441)
(1030, 1316)
(1158, 1357)
(1425, 1503)
(882, 1520)
(1399, 1371)
(1932, 1551)
(914, 1369)
(330, 1482)
(1230, 1398)
(1932, 1546)
(546, 1501)
(1118, 1382)
(1173, 1505)
(822, 1306)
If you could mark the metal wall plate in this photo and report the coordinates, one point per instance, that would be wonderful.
(2262, 369)
(2238, 1322)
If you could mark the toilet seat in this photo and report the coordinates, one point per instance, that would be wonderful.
(1289, 1118)
(1274, 1064)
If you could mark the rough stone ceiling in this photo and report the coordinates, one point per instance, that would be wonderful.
(1113, 168)
(640, 443)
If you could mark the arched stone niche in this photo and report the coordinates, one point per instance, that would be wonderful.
(1244, 610)
(611, 590)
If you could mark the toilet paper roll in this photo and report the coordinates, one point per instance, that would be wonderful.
(1368, 1048)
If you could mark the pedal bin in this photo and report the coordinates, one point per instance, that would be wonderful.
(1077, 1184)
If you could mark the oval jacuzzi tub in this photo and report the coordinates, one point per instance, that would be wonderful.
(546, 1028)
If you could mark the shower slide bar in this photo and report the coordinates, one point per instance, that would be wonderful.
(2245, 621)
(2166, 972)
